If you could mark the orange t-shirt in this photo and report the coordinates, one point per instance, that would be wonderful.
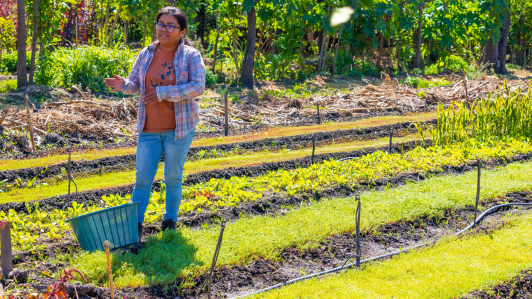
(160, 116)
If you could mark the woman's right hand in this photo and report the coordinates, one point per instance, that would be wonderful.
(115, 83)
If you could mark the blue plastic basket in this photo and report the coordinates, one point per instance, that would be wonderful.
(118, 225)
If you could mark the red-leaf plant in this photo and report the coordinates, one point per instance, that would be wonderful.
(58, 289)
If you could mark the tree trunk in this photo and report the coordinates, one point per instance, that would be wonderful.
(246, 77)
(490, 53)
(321, 40)
(235, 49)
(503, 43)
(22, 73)
(144, 32)
(126, 27)
(417, 60)
(114, 24)
(520, 53)
(337, 46)
(216, 47)
(202, 23)
(106, 23)
(398, 53)
(34, 38)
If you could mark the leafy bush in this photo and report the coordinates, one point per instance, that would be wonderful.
(8, 85)
(210, 78)
(361, 69)
(9, 62)
(423, 83)
(86, 66)
(452, 63)
(513, 66)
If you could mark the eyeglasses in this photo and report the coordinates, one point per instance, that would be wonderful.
(169, 28)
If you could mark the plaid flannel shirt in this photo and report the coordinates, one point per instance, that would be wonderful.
(190, 83)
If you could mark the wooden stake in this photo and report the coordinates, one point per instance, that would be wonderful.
(5, 247)
(109, 270)
(6, 112)
(30, 126)
(318, 107)
(226, 114)
(358, 254)
(391, 136)
(465, 86)
(479, 164)
(313, 149)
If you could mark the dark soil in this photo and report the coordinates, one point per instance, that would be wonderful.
(117, 163)
(90, 197)
(230, 281)
(518, 287)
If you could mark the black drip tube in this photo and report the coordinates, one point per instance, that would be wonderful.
(337, 269)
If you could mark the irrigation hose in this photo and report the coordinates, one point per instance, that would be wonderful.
(337, 269)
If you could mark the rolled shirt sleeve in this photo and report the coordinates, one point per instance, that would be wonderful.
(132, 83)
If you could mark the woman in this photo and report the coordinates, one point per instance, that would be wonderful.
(169, 74)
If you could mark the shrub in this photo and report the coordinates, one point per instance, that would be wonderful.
(422, 83)
(86, 66)
(364, 69)
(452, 63)
(9, 62)
(513, 66)
(8, 85)
(210, 78)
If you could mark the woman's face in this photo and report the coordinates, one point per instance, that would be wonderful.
(169, 38)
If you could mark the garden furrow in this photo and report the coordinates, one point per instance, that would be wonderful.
(206, 141)
(331, 178)
(448, 269)
(273, 144)
(277, 205)
(90, 196)
(231, 281)
(519, 286)
(187, 253)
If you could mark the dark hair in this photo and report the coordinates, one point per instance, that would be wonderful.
(181, 18)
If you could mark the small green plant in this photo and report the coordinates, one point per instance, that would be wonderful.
(8, 86)
(451, 63)
(210, 78)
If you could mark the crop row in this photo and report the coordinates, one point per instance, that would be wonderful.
(450, 269)
(40, 227)
(55, 185)
(187, 252)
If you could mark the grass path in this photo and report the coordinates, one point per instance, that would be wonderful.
(116, 179)
(176, 254)
(448, 270)
(269, 133)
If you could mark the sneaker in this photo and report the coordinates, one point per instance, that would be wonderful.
(168, 224)
(141, 228)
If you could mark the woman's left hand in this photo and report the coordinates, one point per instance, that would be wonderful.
(151, 98)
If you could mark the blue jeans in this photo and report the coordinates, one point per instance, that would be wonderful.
(150, 147)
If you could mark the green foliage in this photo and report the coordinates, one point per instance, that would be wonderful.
(8, 85)
(86, 66)
(7, 34)
(9, 62)
(360, 69)
(513, 66)
(210, 78)
(504, 114)
(451, 63)
(423, 83)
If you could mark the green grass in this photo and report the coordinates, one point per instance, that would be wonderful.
(8, 85)
(185, 252)
(450, 269)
